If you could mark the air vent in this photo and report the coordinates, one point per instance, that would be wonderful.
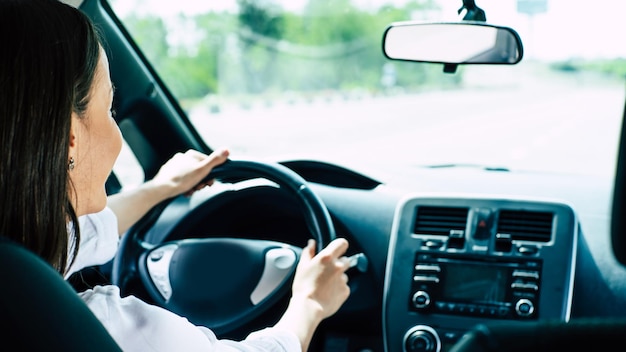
(526, 225)
(440, 220)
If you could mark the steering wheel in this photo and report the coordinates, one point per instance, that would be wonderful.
(220, 283)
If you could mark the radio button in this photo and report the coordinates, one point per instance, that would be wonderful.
(442, 306)
(472, 309)
(526, 274)
(503, 242)
(456, 239)
(460, 308)
(428, 268)
(421, 299)
(525, 286)
(524, 308)
(528, 250)
(433, 244)
(426, 278)
(503, 311)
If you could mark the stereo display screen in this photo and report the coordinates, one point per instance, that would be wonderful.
(474, 283)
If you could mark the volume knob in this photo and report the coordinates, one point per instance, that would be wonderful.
(524, 307)
(422, 338)
(421, 299)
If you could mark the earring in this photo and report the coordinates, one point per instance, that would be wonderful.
(71, 164)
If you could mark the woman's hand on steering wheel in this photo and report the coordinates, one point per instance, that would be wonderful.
(319, 288)
(322, 278)
(185, 173)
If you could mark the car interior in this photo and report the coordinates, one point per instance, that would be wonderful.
(461, 268)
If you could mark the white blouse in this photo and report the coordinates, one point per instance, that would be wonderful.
(139, 326)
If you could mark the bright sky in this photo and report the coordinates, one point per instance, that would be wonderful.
(581, 28)
(585, 28)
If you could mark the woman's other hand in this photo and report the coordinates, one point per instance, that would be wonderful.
(322, 278)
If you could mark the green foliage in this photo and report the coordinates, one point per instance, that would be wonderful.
(262, 17)
(330, 46)
(610, 67)
(149, 33)
(614, 67)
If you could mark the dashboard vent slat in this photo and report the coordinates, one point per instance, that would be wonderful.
(440, 220)
(526, 225)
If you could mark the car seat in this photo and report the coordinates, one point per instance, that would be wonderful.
(40, 311)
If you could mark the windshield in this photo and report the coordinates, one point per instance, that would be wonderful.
(307, 79)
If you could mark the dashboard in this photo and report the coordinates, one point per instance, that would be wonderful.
(477, 246)
(562, 270)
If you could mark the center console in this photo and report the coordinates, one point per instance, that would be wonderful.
(456, 262)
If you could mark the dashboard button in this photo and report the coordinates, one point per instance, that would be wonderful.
(421, 299)
(433, 244)
(528, 250)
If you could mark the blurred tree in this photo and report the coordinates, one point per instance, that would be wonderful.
(262, 17)
(327, 45)
(149, 32)
(259, 21)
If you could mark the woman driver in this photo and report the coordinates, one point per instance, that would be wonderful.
(59, 143)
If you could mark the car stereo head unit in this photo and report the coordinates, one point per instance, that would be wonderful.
(457, 262)
(504, 289)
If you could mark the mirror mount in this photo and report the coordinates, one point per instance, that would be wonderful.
(450, 68)
(473, 12)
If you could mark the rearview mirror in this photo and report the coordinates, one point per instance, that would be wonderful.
(452, 43)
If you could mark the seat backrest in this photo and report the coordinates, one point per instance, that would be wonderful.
(40, 311)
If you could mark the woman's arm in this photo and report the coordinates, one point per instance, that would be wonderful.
(179, 175)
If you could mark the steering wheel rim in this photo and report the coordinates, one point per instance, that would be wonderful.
(135, 259)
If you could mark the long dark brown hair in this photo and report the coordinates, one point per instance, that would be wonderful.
(48, 56)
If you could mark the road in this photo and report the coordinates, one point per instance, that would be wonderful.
(569, 126)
